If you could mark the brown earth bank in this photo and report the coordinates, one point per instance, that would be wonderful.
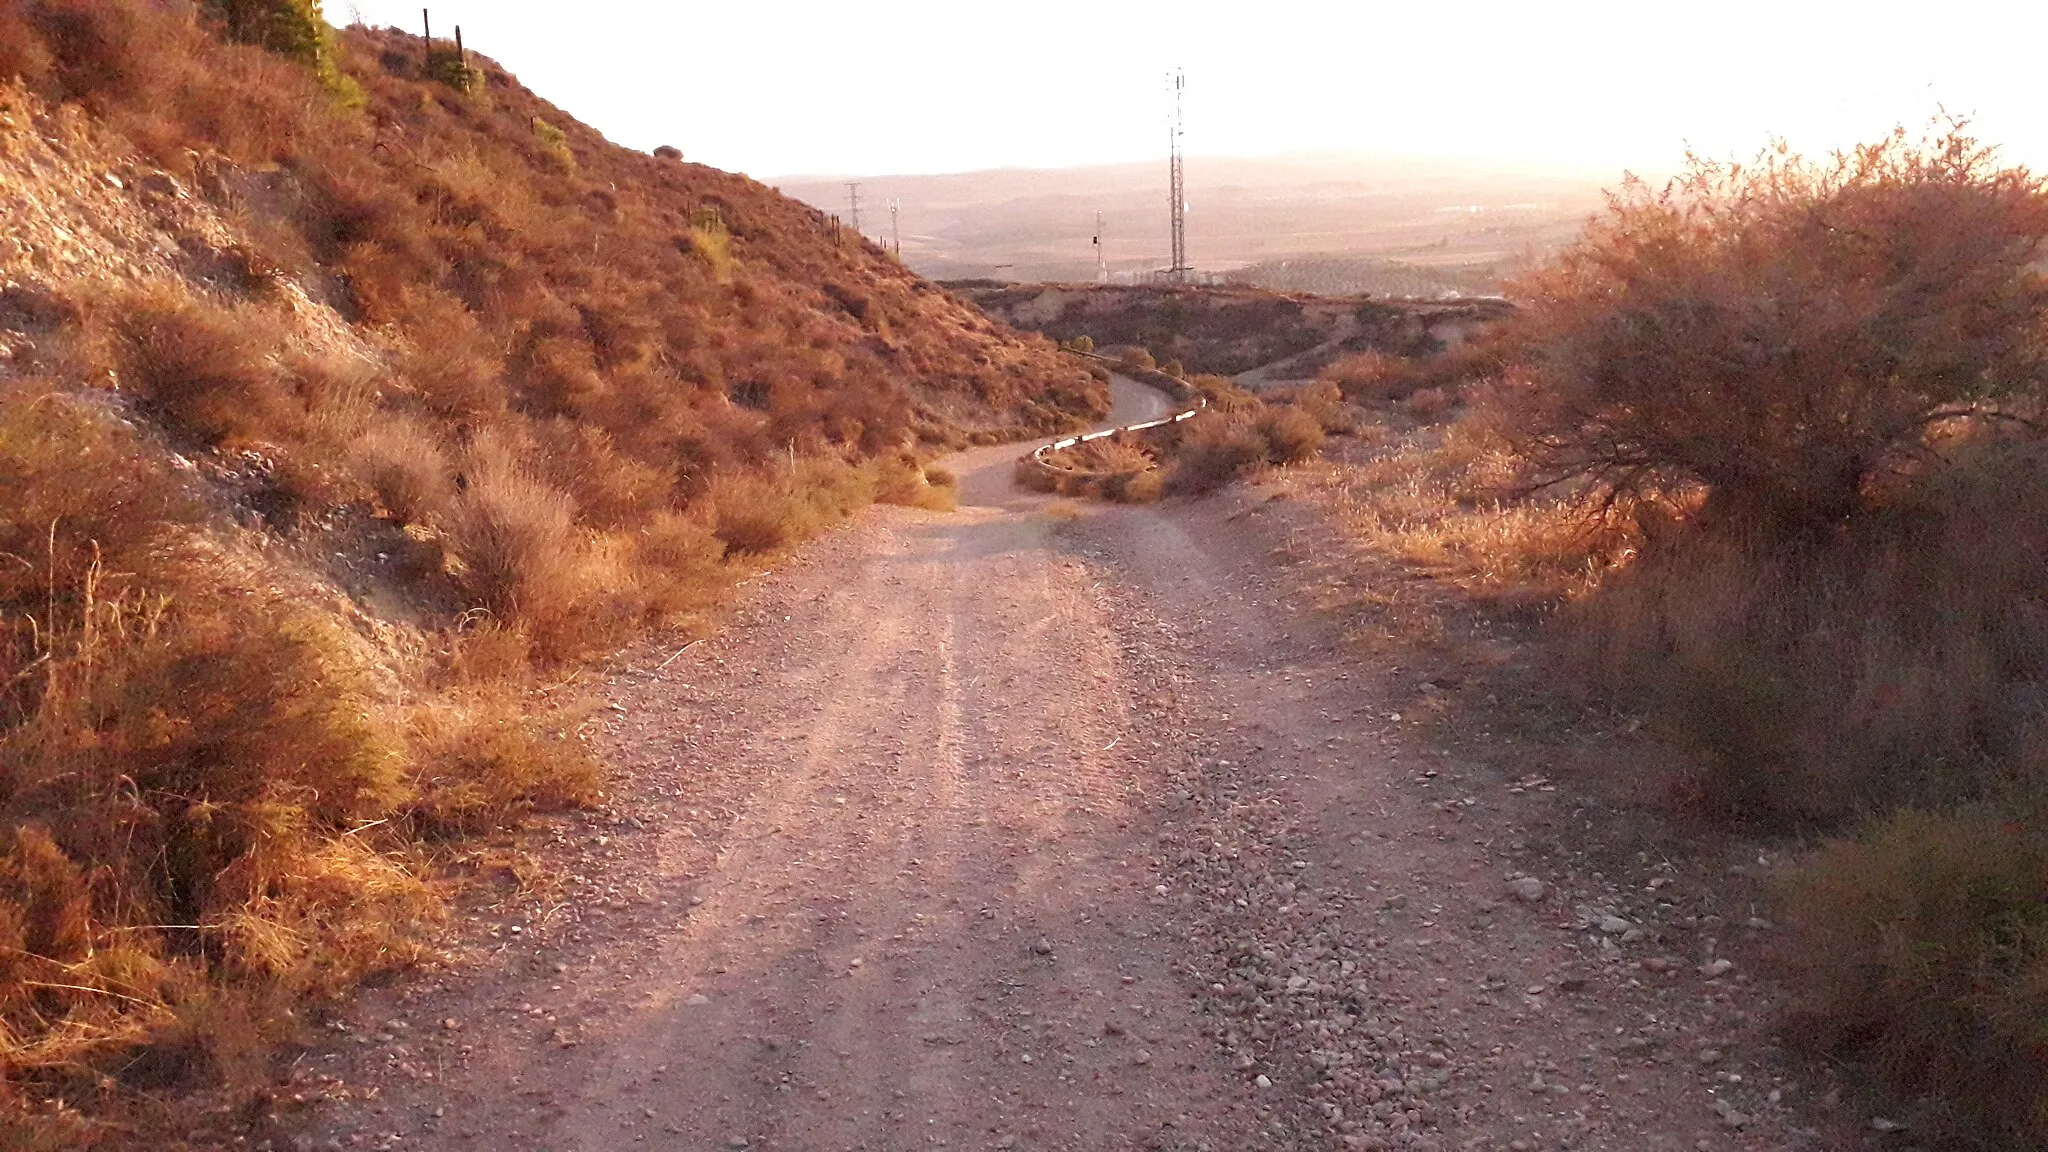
(1034, 826)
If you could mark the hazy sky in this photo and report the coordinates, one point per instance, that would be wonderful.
(777, 87)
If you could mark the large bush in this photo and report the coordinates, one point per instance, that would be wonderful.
(1788, 333)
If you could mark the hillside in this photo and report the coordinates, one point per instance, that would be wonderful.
(1229, 331)
(351, 396)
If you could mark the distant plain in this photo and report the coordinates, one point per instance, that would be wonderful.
(1329, 222)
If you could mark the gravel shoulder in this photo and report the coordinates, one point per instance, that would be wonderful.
(1036, 826)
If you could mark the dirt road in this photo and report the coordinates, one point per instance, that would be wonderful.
(1028, 826)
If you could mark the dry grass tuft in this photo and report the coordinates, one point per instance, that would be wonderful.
(405, 466)
(1920, 949)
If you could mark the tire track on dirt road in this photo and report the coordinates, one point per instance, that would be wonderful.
(1005, 829)
(928, 921)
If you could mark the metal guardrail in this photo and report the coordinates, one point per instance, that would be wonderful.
(1165, 383)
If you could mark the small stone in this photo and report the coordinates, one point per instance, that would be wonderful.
(1527, 889)
(1142, 1058)
(1714, 969)
(1883, 1125)
(697, 1000)
(1263, 1080)
(1654, 964)
(1709, 1056)
(1043, 946)
(1614, 925)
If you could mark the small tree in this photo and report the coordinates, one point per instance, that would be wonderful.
(1786, 332)
(294, 28)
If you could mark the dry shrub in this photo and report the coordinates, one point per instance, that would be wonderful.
(900, 479)
(1224, 394)
(1919, 950)
(1322, 400)
(609, 488)
(677, 561)
(1786, 334)
(1118, 468)
(942, 489)
(1292, 435)
(756, 514)
(1897, 663)
(1135, 487)
(1214, 451)
(1447, 499)
(1108, 454)
(515, 534)
(1427, 403)
(1226, 443)
(713, 245)
(196, 747)
(1772, 435)
(484, 760)
(204, 372)
(1381, 379)
(1370, 376)
(1130, 356)
(1030, 474)
(403, 462)
(762, 514)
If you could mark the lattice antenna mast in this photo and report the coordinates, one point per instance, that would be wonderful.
(853, 203)
(1179, 271)
(1101, 256)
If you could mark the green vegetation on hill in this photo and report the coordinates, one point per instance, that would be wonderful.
(428, 392)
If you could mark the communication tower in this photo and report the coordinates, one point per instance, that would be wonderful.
(1179, 272)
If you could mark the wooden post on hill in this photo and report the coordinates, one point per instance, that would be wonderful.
(426, 39)
(461, 53)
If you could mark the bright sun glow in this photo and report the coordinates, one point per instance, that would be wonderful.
(937, 85)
